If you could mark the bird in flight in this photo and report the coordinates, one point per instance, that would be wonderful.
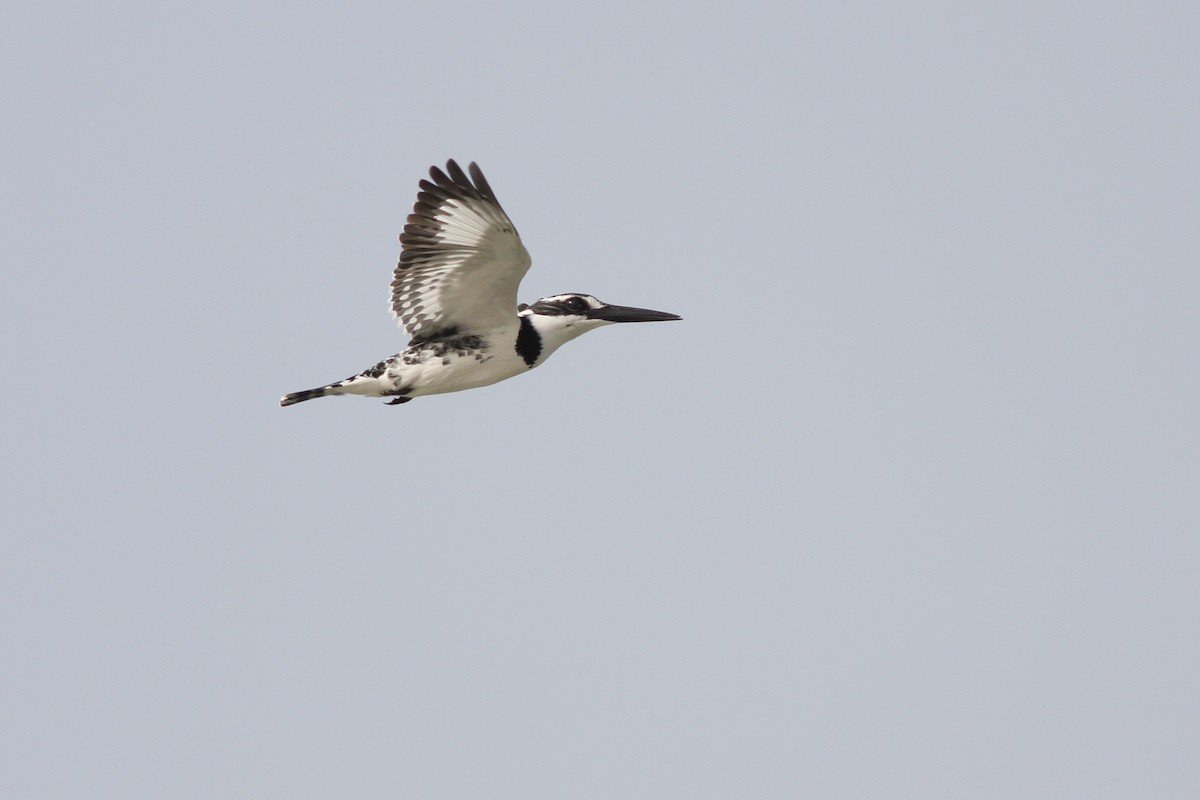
(455, 292)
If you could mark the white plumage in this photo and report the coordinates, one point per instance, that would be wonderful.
(455, 292)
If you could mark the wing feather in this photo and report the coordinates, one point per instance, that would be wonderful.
(461, 258)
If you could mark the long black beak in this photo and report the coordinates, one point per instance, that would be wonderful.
(627, 314)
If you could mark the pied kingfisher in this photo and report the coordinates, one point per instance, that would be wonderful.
(455, 292)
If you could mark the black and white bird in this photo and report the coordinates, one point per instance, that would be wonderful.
(455, 292)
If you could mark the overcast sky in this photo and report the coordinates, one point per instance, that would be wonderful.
(906, 507)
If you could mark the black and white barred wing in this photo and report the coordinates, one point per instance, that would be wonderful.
(461, 259)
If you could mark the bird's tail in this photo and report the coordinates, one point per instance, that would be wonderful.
(364, 383)
(307, 394)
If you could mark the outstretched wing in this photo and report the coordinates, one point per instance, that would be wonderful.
(461, 259)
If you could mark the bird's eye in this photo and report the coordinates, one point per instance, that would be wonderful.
(576, 304)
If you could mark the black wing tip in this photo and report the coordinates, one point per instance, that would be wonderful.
(457, 175)
(451, 177)
(481, 182)
(454, 179)
(453, 169)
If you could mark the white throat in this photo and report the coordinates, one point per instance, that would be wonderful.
(558, 329)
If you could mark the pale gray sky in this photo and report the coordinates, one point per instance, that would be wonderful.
(905, 508)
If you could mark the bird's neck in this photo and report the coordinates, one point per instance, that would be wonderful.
(540, 335)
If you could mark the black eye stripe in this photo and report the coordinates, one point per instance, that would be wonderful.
(562, 305)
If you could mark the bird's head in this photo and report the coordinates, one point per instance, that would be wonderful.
(562, 317)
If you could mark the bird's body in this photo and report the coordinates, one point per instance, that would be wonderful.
(435, 366)
(455, 289)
